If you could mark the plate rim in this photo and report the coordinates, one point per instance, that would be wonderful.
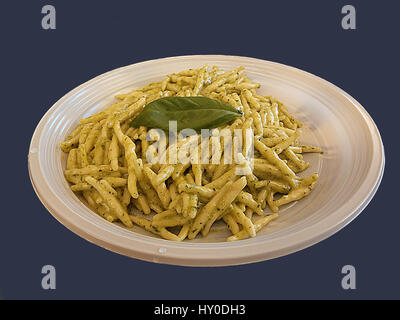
(85, 231)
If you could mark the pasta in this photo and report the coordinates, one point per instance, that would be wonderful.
(108, 161)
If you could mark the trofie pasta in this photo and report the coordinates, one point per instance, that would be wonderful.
(182, 183)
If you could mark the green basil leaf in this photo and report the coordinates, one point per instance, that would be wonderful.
(190, 112)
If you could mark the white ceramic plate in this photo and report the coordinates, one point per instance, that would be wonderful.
(350, 170)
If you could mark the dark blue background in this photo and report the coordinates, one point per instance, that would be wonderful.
(92, 37)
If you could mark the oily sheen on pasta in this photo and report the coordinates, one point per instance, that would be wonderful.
(108, 161)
